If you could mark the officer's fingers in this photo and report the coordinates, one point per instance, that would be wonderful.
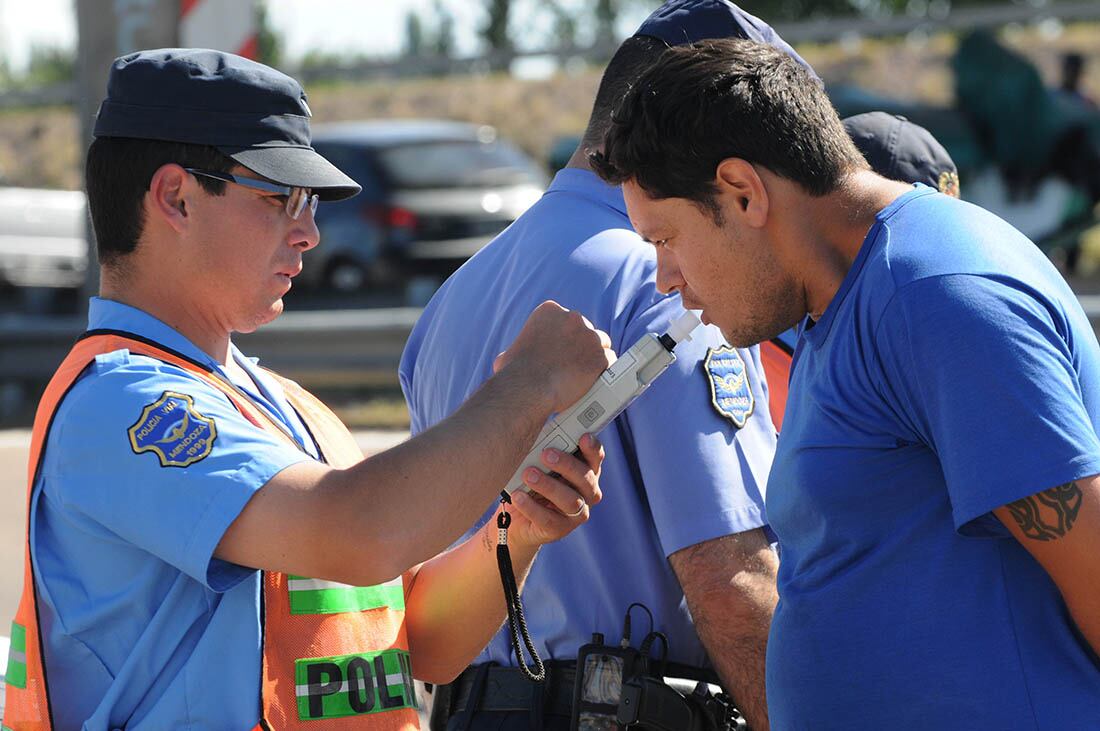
(569, 501)
(550, 308)
(592, 451)
(500, 361)
(577, 473)
(545, 521)
(605, 341)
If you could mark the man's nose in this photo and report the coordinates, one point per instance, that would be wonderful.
(669, 279)
(304, 233)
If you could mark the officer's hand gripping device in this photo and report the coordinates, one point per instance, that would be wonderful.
(623, 381)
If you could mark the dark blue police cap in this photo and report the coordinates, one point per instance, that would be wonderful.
(678, 22)
(254, 114)
(900, 150)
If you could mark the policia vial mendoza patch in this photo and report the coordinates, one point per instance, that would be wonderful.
(172, 429)
(729, 384)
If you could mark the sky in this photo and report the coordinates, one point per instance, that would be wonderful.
(375, 27)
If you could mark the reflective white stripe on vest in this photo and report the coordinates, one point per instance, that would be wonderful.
(320, 584)
(392, 679)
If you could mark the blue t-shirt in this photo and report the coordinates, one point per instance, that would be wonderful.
(953, 372)
(677, 471)
(143, 628)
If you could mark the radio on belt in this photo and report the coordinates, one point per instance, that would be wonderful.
(621, 383)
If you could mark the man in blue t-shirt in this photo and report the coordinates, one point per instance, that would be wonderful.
(935, 488)
(680, 526)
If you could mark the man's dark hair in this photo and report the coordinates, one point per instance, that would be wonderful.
(702, 103)
(634, 56)
(117, 176)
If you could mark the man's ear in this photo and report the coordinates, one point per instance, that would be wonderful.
(169, 192)
(742, 192)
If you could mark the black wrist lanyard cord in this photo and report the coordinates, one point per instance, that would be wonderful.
(517, 623)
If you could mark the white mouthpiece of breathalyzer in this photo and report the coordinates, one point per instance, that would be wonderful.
(622, 382)
(683, 326)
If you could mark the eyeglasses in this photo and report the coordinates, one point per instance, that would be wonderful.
(296, 198)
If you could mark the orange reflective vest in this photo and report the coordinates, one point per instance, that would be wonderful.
(334, 656)
(776, 357)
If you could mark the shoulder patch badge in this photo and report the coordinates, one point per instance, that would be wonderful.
(729, 385)
(172, 429)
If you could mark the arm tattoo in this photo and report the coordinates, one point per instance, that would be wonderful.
(1048, 515)
(487, 539)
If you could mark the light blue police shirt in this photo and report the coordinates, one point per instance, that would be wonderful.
(954, 372)
(677, 471)
(143, 628)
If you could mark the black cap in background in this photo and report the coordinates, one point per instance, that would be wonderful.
(900, 150)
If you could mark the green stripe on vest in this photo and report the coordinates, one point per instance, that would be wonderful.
(337, 598)
(354, 685)
(16, 674)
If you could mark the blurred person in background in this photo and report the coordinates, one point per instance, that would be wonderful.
(1073, 71)
(208, 548)
(935, 488)
(681, 529)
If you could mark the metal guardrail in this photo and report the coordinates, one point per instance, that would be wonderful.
(322, 349)
(334, 348)
(45, 96)
(319, 349)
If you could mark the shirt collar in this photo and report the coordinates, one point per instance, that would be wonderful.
(105, 314)
(816, 332)
(587, 183)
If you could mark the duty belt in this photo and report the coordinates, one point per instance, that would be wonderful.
(494, 688)
(503, 689)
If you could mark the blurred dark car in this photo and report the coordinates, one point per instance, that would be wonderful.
(434, 192)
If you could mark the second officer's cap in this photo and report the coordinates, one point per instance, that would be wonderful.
(678, 22)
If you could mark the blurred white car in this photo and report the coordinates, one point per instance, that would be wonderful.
(4, 644)
(42, 238)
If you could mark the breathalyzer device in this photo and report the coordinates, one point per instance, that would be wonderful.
(622, 382)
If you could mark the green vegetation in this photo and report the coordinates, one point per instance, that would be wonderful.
(47, 66)
(40, 147)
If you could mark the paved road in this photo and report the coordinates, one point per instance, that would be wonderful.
(13, 515)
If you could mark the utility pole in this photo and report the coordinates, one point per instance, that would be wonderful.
(107, 29)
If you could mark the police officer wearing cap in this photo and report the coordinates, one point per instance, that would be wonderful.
(681, 528)
(207, 548)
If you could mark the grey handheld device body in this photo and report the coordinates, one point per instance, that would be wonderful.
(622, 382)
